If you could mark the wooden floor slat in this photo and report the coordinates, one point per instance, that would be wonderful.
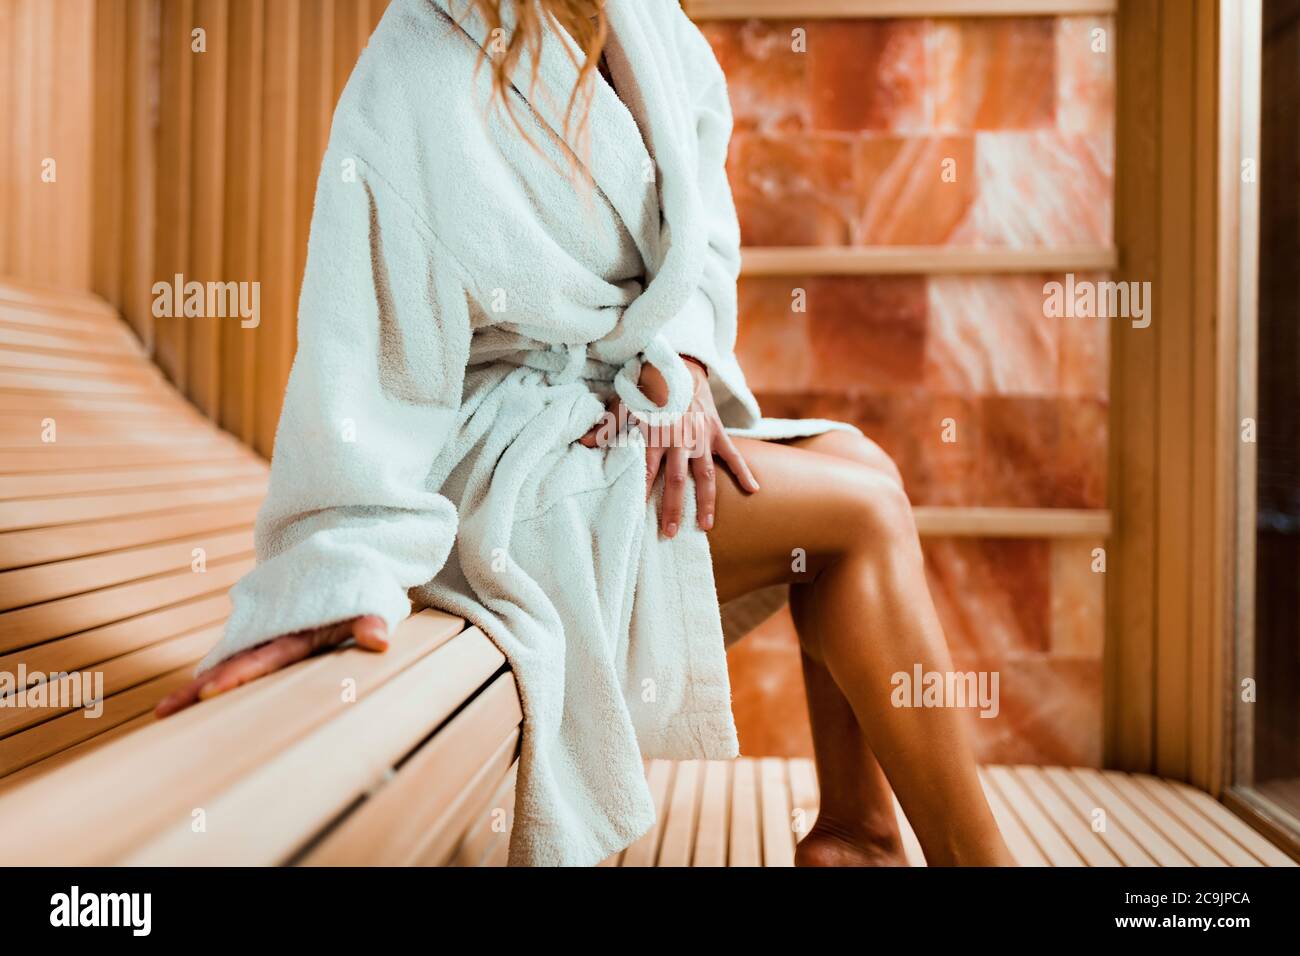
(750, 812)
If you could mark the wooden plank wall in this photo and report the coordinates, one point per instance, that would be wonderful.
(1167, 579)
(46, 159)
(240, 131)
(171, 160)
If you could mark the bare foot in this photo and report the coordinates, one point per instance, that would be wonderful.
(822, 847)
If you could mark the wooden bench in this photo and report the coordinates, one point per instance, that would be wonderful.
(403, 758)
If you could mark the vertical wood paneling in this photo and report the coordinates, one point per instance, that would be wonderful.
(173, 161)
(175, 165)
(243, 183)
(207, 220)
(1175, 388)
(139, 169)
(1207, 638)
(70, 35)
(1167, 627)
(107, 214)
(278, 233)
(315, 109)
(8, 109)
(1130, 578)
(47, 49)
(25, 183)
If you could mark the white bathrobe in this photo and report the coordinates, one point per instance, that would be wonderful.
(466, 311)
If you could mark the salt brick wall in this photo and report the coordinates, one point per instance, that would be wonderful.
(843, 144)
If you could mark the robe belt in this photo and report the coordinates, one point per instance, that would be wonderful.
(565, 364)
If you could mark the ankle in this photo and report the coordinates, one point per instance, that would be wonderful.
(877, 834)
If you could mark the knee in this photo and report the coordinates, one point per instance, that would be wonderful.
(878, 518)
(854, 446)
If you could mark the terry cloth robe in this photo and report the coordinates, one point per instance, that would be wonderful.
(468, 307)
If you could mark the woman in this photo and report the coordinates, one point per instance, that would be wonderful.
(495, 255)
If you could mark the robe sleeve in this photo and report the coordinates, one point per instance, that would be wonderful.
(349, 523)
(706, 327)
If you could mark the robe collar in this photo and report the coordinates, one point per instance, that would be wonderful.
(644, 130)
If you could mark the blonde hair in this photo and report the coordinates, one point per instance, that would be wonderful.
(583, 20)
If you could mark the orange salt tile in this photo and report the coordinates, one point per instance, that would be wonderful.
(913, 190)
(867, 74)
(991, 73)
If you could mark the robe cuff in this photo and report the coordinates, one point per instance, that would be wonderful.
(681, 384)
(264, 611)
(691, 331)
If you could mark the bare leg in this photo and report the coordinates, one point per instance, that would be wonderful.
(856, 825)
(844, 532)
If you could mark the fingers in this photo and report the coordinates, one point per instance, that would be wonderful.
(369, 631)
(602, 433)
(705, 489)
(250, 665)
(726, 450)
(240, 669)
(674, 491)
(654, 458)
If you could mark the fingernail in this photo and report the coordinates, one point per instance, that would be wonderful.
(670, 530)
(208, 690)
(708, 522)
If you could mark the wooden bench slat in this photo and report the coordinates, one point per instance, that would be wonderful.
(46, 582)
(96, 809)
(1224, 819)
(441, 844)
(1224, 845)
(406, 815)
(42, 622)
(1112, 832)
(804, 796)
(1055, 847)
(778, 836)
(32, 772)
(1147, 836)
(1189, 843)
(44, 512)
(645, 851)
(16, 335)
(679, 818)
(121, 637)
(81, 384)
(711, 833)
(250, 824)
(18, 358)
(1018, 840)
(128, 406)
(58, 734)
(1069, 822)
(745, 846)
(77, 457)
(118, 675)
(83, 482)
(493, 824)
(24, 548)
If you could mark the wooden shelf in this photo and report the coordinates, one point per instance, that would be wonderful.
(914, 260)
(935, 522)
(804, 9)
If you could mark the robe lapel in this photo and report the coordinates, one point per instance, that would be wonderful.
(616, 157)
